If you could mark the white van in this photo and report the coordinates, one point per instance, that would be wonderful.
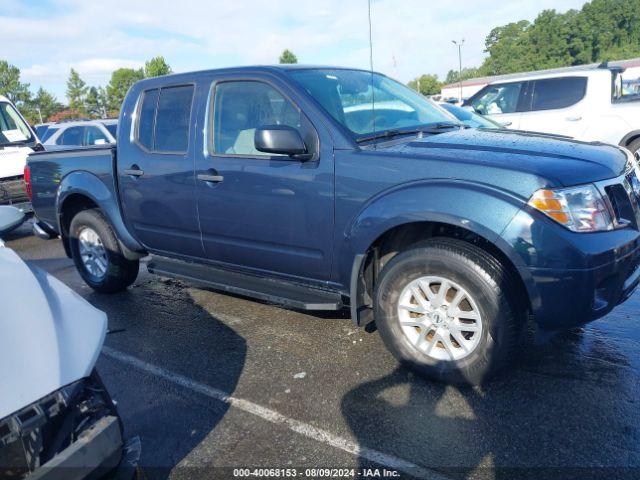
(17, 140)
(587, 104)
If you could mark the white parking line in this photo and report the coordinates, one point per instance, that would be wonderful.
(323, 436)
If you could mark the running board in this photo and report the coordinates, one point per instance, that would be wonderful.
(289, 294)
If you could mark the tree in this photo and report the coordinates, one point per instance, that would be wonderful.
(288, 57)
(453, 76)
(156, 67)
(96, 102)
(121, 81)
(601, 30)
(426, 84)
(76, 92)
(10, 84)
(42, 106)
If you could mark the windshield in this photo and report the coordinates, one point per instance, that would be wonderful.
(348, 96)
(12, 128)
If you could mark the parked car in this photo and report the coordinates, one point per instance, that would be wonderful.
(450, 238)
(80, 133)
(57, 419)
(17, 140)
(585, 104)
(41, 129)
(469, 118)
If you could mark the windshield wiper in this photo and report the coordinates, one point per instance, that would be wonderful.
(436, 127)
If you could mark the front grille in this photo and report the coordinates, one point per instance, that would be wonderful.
(13, 190)
(623, 196)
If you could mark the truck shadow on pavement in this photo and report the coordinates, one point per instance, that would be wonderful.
(187, 340)
(568, 410)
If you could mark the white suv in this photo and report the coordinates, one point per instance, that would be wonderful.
(80, 133)
(17, 140)
(584, 104)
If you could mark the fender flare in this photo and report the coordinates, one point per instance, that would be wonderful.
(90, 186)
(499, 209)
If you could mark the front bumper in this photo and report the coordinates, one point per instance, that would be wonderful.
(571, 298)
(72, 433)
(95, 453)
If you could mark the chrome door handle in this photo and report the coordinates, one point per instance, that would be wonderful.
(133, 172)
(577, 118)
(210, 178)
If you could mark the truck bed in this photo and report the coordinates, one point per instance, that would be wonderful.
(50, 168)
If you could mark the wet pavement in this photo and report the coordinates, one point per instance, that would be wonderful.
(567, 409)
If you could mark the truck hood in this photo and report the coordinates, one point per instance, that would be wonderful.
(560, 160)
(13, 160)
(49, 335)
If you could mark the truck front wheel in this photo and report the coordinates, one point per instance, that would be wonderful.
(446, 310)
(97, 254)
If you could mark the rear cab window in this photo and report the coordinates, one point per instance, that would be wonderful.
(164, 118)
(554, 93)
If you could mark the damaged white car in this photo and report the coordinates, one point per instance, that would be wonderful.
(57, 420)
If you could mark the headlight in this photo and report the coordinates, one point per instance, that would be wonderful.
(580, 209)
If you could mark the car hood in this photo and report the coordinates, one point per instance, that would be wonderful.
(560, 160)
(49, 335)
(13, 160)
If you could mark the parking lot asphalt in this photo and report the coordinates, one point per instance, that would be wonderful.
(211, 382)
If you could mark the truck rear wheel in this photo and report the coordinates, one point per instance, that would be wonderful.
(446, 310)
(97, 253)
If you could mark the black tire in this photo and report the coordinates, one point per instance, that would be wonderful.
(634, 147)
(475, 271)
(120, 272)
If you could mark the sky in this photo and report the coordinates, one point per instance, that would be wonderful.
(46, 38)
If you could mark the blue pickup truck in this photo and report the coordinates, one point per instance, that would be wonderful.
(325, 188)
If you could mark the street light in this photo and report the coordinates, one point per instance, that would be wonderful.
(459, 45)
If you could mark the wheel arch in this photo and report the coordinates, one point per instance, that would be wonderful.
(629, 137)
(82, 190)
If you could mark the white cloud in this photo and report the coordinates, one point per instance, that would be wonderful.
(97, 37)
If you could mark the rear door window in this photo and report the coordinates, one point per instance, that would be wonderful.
(164, 119)
(552, 93)
(498, 98)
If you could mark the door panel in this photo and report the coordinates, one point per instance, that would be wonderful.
(557, 106)
(156, 177)
(272, 213)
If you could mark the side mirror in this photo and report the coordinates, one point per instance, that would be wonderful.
(279, 139)
(10, 218)
(99, 141)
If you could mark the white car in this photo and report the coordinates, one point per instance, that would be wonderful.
(80, 133)
(586, 104)
(57, 420)
(17, 140)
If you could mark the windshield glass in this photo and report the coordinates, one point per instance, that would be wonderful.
(348, 96)
(12, 128)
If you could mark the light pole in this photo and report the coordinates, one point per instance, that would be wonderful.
(459, 45)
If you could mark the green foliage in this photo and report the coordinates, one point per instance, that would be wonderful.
(10, 84)
(288, 57)
(42, 106)
(453, 76)
(426, 84)
(156, 67)
(76, 91)
(121, 81)
(601, 30)
(96, 102)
